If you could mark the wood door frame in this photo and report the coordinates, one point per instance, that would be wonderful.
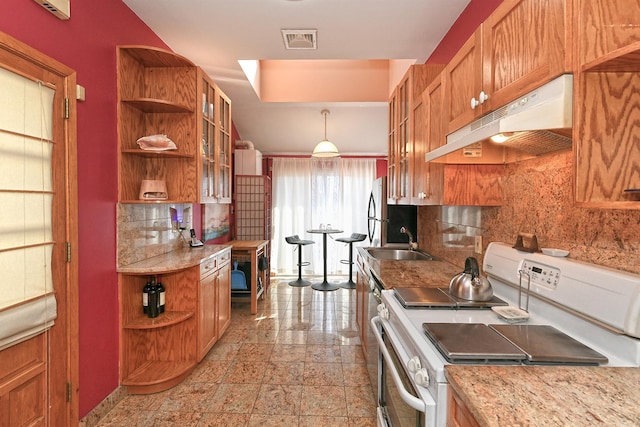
(63, 336)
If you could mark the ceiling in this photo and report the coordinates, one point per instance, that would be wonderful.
(216, 34)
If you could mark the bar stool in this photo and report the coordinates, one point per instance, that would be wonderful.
(295, 240)
(355, 237)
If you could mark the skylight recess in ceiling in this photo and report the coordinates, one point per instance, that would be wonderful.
(299, 39)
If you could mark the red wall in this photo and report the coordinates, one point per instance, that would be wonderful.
(476, 12)
(87, 43)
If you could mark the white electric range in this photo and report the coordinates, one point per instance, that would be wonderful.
(580, 308)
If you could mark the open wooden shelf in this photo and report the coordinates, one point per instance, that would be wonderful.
(622, 60)
(146, 202)
(164, 319)
(158, 154)
(151, 105)
(160, 92)
(156, 375)
(156, 57)
(236, 294)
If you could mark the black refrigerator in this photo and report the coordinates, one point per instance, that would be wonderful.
(385, 221)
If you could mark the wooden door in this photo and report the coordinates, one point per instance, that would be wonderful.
(60, 342)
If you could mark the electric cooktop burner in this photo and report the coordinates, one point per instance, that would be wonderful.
(439, 298)
(529, 344)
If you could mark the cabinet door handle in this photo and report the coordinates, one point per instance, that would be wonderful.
(482, 97)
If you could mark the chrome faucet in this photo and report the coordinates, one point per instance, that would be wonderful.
(412, 245)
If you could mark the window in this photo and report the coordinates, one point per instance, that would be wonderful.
(310, 192)
(27, 304)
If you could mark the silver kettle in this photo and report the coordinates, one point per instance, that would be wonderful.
(469, 285)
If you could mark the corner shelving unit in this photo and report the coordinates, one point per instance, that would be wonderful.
(158, 353)
(157, 94)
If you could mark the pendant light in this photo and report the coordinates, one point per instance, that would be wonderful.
(325, 148)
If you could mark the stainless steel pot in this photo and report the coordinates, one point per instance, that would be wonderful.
(469, 284)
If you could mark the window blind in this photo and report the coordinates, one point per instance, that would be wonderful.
(27, 303)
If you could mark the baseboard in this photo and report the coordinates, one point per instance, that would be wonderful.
(96, 414)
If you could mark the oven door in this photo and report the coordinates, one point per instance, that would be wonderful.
(400, 403)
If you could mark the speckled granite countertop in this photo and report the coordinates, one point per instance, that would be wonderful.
(174, 260)
(548, 395)
(411, 274)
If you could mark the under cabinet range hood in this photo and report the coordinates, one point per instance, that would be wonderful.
(534, 124)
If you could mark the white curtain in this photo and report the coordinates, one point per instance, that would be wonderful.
(311, 192)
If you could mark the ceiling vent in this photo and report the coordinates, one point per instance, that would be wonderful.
(60, 8)
(299, 39)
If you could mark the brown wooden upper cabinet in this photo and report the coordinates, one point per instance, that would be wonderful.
(606, 134)
(451, 184)
(429, 134)
(523, 44)
(398, 187)
(215, 145)
(163, 93)
(401, 140)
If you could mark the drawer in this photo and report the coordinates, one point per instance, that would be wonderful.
(208, 266)
(224, 257)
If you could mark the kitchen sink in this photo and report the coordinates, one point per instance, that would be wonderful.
(398, 254)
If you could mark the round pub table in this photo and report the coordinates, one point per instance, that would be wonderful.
(325, 285)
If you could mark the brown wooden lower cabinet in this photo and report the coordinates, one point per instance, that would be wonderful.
(23, 375)
(457, 413)
(158, 353)
(214, 301)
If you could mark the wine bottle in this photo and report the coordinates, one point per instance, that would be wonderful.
(152, 310)
(161, 292)
(145, 297)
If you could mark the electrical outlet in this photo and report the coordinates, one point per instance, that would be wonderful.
(478, 245)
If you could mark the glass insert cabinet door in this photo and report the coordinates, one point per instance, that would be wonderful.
(215, 174)
(207, 148)
(224, 149)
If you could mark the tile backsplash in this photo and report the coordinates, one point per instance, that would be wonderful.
(146, 230)
(538, 199)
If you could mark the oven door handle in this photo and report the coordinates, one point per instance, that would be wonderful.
(409, 399)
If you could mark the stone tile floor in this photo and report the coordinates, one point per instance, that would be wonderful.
(297, 362)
